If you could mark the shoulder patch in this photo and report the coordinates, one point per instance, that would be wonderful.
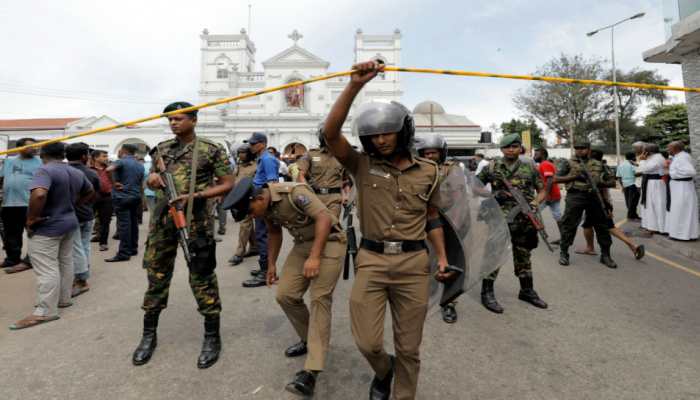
(302, 200)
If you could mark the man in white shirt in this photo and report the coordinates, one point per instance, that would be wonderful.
(651, 166)
(682, 217)
(481, 163)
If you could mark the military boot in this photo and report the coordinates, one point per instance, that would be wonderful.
(488, 297)
(149, 340)
(563, 256)
(606, 260)
(211, 347)
(528, 294)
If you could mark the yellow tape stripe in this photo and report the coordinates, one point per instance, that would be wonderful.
(673, 264)
(345, 73)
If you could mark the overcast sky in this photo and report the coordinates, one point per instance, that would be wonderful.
(127, 58)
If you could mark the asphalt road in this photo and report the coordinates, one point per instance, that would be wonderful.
(630, 333)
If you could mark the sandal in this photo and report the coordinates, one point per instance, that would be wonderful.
(586, 252)
(78, 290)
(31, 321)
(639, 252)
(17, 268)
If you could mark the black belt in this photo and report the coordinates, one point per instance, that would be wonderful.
(682, 179)
(393, 247)
(668, 191)
(645, 180)
(653, 176)
(327, 190)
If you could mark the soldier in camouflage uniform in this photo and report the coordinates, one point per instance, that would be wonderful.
(324, 174)
(176, 157)
(434, 148)
(524, 176)
(246, 168)
(580, 197)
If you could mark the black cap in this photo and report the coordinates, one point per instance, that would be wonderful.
(257, 137)
(238, 199)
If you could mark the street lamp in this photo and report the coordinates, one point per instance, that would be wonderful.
(616, 100)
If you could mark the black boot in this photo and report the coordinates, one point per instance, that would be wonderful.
(381, 388)
(211, 347)
(449, 313)
(528, 294)
(563, 256)
(606, 260)
(303, 383)
(149, 340)
(488, 297)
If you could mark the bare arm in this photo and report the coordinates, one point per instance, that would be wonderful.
(37, 201)
(437, 239)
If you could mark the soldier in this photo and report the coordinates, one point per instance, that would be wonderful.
(398, 208)
(314, 264)
(580, 197)
(324, 174)
(246, 233)
(522, 174)
(434, 148)
(177, 156)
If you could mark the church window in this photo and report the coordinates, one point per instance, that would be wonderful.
(222, 74)
(294, 96)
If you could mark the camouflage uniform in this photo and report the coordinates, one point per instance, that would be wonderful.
(161, 245)
(580, 198)
(523, 235)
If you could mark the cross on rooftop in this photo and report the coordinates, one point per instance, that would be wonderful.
(295, 36)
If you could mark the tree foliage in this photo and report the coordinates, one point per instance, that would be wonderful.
(521, 125)
(667, 123)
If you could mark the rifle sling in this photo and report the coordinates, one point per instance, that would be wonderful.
(193, 181)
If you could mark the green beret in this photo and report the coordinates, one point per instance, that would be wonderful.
(583, 144)
(509, 139)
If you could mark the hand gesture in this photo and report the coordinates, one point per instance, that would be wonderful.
(365, 72)
(441, 275)
(312, 266)
(271, 275)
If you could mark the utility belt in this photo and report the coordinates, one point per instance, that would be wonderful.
(682, 179)
(327, 190)
(393, 247)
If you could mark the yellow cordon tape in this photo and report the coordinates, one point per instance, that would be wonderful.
(346, 73)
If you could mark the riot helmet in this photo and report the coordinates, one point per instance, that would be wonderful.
(245, 148)
(381, 118)
(432, 141)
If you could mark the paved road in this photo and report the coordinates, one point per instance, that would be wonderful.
(630, 333)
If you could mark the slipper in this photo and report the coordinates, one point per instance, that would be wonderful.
(17, 268)
(639, 252)
(586, 252)
(65, 305)
(78, 290)
(31, 321)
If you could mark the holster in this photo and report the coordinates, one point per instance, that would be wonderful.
(203, 253)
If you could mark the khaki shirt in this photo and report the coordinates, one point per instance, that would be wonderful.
(294, 205)
(245, 170)
(323, 171)
(392, 203)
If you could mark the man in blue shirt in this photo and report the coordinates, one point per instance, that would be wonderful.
(626, 173)
(127, 175)
(267, 171)
(17, 173)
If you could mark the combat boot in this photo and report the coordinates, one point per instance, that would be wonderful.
(149, 340)
(564, 256)
(606, 260)
(528, 294)
(488, 297)
(211, 347)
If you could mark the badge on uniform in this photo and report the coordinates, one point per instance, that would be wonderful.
(302, 200)
(316, 159)
(380, 173)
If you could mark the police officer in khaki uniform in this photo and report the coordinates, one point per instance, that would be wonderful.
(314, 264)
(246, 168)
(398, 208)
(324, 174)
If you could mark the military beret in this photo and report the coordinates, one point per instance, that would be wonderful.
(583, 144)
(238, 199)
(179, 105)
(509, 139)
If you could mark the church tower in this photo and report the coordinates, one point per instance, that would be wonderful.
(384, 48)
(223, 58)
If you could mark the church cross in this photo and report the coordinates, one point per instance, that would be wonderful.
(295, 36)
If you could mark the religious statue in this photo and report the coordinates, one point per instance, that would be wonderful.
(294, 97)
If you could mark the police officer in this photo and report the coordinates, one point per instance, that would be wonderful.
(245, 168)
(314, 264)
(434, 148)
(398, 208)
(522, 174)
(324, 174)
(177, 156)
(581, 197)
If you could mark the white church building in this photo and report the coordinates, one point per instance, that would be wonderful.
(290, 117)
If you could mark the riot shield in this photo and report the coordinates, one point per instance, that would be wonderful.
(477, 239)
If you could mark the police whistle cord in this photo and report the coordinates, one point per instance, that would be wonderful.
(226, 100)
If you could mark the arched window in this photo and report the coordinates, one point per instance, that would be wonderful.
(223, 66)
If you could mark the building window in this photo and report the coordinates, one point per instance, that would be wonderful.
(222, 74)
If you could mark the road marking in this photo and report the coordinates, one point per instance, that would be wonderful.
(662, 259)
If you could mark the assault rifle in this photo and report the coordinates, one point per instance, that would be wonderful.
(594, 187)
(524, 208)
(352, 240)
(176, 211)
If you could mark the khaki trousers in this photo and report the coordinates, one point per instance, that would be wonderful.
(52, 259)
(403, 281)
(312, 325)
(246, 234)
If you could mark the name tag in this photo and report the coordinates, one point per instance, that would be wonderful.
(379, 173)
(316, 159)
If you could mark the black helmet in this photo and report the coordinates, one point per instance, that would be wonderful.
(245, 147)
(378, 118)
(433, 141)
